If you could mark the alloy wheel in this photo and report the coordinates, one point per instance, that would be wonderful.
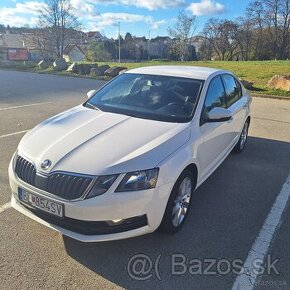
(181, 202)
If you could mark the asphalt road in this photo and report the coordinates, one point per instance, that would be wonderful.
(227, 213)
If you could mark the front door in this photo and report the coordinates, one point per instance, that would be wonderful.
(217, 136)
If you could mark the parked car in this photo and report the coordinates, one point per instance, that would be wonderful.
(127, 161)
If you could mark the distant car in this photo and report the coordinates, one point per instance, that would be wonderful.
(126, 162)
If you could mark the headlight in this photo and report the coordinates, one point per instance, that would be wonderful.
(139, 180)
(101, 185)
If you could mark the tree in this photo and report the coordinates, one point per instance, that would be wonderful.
(182, 32)
(220, 37)
(272, 19)
(209, 35)
(128, 37)
(58, 18)
(2, 28)
(98, 52)
(244, 37)
(255, 14)
(277, 14)
(8, 28)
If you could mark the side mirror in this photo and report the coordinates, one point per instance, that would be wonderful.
(219, 115)
(91, 93)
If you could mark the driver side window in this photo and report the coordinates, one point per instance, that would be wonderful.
(215, 97)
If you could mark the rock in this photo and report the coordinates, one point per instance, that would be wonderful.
(81, 70)
(87, 68)
(73, 68)
(43, 64)
(123, 71)
(248, 85)
(114, 71)
(280, 82)
(93, 72)
(100, 71)
(60, 64)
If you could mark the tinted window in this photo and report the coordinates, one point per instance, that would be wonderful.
(215, 96)
(164, 98)
(233, 89)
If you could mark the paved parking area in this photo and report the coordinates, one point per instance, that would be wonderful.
(228, 212)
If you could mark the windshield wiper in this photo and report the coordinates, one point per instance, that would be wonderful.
(92, 106)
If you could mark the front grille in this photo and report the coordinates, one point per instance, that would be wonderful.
(25, 170)
(67, 186)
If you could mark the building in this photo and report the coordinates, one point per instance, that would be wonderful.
(73, 53)
(92, 36)
(12, 47)
(159, 46)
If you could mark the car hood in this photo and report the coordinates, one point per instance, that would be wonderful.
(88, 141)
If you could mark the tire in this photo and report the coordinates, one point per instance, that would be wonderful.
(240, 146)
(178, 204)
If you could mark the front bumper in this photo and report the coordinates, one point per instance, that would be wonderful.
(91, 220)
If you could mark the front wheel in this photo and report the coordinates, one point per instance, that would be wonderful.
(178, 204)
(243, 138)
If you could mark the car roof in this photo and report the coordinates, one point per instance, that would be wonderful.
(193, 72)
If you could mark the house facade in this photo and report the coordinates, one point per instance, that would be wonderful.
(73, 53)
(12, 47)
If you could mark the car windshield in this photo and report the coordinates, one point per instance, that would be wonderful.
(163, 98)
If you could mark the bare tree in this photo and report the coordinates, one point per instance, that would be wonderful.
(182, 32)
(209, 35)
(278, 22)
(221, 36)
(58, 18)
(244, 36)
(39, 40)
(255, 13)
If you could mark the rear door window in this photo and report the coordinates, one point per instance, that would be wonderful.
(233, 89)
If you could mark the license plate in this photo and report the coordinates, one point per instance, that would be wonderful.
(40, 202)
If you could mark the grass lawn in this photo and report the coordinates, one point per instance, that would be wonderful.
(258, 72)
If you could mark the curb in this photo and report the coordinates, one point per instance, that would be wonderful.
(276, 97)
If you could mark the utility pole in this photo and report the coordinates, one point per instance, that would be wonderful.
(119, 41)
(149, 46)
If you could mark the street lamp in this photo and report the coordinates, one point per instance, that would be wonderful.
(149, 46)
(119, 41)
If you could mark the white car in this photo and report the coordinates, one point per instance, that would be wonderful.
(126, 162)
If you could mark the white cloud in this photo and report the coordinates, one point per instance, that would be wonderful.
(29, 7)
(101, 21)
(155, 24)
(154, 4)
(206, 7)
(148, 4)
(21, 14)
(83, 8)
(87, 11)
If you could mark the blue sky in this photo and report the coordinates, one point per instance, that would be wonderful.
(135, 16)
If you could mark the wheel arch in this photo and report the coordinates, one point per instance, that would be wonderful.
(192, 168)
